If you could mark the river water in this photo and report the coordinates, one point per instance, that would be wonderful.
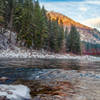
(52, 79)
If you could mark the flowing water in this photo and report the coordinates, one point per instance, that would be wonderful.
(52, 79)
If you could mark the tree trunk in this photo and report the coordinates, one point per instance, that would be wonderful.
(11, 23)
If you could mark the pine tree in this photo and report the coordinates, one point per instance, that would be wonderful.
(55, 36)
(45, 28)
(1, 11)
(27, 29)
(18, 16)
(40, 27)
(60, 35)
(7, 8)
(66, 39)
(32, 25)
(66, 33)
(73, 41)
(51, 36)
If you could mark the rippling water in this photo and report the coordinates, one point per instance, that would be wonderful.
(46, 72)
(28, 68)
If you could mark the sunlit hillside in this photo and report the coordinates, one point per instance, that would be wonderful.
(66, 20)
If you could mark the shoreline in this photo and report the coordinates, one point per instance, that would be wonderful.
(10, 54)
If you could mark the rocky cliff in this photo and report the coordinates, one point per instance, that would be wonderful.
(5, 41)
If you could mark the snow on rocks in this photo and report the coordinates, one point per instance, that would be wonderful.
(18, 53)
(3, 79)
(15, 92)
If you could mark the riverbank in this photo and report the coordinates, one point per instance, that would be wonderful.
(18, 53)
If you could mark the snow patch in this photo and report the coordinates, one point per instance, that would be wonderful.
(15, 92)
(18, 53)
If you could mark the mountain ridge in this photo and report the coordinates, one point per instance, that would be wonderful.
(90, 37)
(87, 34)
(66, 20)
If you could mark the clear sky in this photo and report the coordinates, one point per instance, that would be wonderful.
(79, 10)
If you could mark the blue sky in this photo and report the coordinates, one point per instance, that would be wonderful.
(82, 11)
(59, 0)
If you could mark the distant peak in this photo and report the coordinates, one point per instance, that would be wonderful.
(65, 20)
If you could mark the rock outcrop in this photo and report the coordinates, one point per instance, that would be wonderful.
(7, 39)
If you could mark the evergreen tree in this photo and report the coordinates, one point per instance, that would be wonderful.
(1, 11)
(60, 35)
(73, 41)
(53, 36)
(56, 36)
(9, 6)
(45, 28)
(32, 25)
(18, 17)
(66, 33)
(27, 29)
(49, 34)
(40, 27)
(7, 11)
(66, 38)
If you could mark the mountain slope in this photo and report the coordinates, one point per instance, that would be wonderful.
(88, 35)
(66, 20)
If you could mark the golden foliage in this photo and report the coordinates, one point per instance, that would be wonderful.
(65, 20)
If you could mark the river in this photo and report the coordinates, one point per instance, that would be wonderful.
(52, 79)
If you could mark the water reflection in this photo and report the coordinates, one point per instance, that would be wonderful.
(38, 68)
(50, 63)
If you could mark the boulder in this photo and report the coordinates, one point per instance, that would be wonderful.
(3, 79)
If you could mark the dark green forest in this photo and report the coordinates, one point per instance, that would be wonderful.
(35, 29)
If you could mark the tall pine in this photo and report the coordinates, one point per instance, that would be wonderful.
(73, 41)
(40, 26)
(27, 28)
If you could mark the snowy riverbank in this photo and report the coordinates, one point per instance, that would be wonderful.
(43, 55)
(14, 92)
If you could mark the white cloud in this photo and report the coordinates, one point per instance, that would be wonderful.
(93, 22)
(83, 8)
(92, 2)
(79, 11)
